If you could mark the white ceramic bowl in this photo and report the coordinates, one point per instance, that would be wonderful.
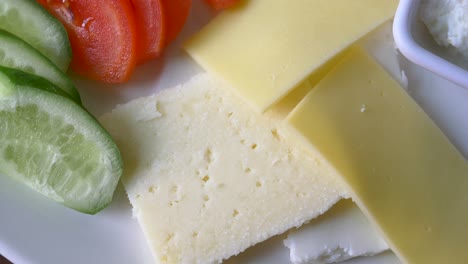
(415, 43)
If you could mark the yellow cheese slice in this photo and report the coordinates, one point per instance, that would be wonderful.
(265, 48)
(378, 43)
(403, 172)
(283, 107)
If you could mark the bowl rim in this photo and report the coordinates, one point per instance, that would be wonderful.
(406, 15)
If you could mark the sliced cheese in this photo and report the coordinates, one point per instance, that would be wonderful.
(208, 177)
(379, 44)
(404, 173)
(265, 48)
(341, 233)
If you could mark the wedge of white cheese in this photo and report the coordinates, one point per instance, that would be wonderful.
(341, 233)
(209, 177)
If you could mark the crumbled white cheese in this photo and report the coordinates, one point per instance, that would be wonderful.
(340, 234)
(447, 21)
(363, 108)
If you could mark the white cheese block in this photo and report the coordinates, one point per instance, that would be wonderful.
(209, 177)
(340, 234)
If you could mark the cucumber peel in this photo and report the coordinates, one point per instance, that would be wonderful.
(16, 53)
(31, 22)
(21, 78)
(54, 146)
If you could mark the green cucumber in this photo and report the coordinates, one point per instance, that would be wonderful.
(21, 78)
(54, 146)
(15, 53)
(31, 22)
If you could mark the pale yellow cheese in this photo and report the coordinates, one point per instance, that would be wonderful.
(265, 48)
(208, 177)
(378, 43)
(404, 173)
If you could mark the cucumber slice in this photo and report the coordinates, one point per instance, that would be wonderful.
(53, 145)
(15, 53)
(32, 23)
(21, 78)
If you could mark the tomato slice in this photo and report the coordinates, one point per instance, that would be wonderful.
(221, 4)
(177, 12)
(102, 35)
(158, 23)
(151, 28)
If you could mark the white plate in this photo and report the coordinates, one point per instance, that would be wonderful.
(35, 230)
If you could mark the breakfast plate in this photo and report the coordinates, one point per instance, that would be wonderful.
(35, 230)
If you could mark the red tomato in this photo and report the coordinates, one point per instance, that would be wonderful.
(177, 12)
(221, 4)
(102, 36)
(151, 28)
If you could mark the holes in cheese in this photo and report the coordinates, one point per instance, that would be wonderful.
(237, 184)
